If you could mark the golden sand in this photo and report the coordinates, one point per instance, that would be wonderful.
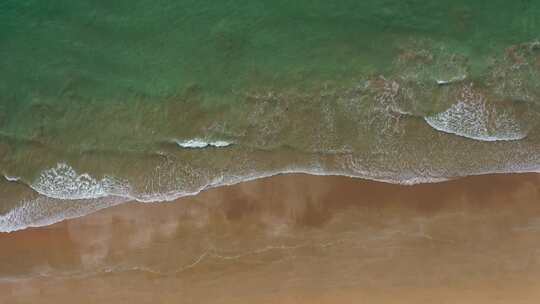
(292, 239)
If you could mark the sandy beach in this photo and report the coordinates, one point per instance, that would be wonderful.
(292, 239)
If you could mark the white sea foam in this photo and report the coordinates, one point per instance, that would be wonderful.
(474, 118)
(12, 178)
(63, 182)
(451, 80)
(45, 210)
(198, 143)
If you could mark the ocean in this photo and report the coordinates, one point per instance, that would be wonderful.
(107, 102)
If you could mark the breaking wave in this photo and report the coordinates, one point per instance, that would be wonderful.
(473, 117)
(63, 182)
(10, 178)
(197, 143)
(43, 211)
(84, 194)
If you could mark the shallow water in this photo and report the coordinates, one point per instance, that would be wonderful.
(97, 98)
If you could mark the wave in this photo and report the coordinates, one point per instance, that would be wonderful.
(63, 182)
(451, 80)
(44, 211)
(51, 208)
(473, 117)
(55, 205)
(12, 179)
(198, 143)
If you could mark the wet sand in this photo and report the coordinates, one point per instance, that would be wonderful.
(292, 239)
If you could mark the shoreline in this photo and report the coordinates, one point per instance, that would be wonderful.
(112, 200)
(293, 238)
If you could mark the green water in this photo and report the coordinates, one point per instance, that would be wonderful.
(103, 50)
(336, 87)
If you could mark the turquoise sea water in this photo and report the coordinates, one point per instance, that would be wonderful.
(103, 102)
